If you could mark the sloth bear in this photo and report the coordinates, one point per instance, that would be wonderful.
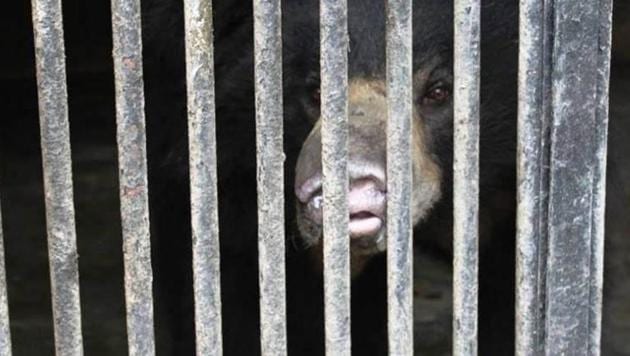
(432, 176)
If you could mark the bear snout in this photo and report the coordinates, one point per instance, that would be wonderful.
(367, 197)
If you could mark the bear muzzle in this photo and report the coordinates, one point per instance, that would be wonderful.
(367, 197)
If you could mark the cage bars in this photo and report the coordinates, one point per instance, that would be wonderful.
(580, 51)
(334, 115)
(399, 178)
(270, 175)
(133, 185)
(203, 176)
(466, 175)
(5, 331)
(57, 166)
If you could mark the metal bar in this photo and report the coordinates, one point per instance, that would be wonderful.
(581, 59)
(270, 163)
(203, 176)
(127, 51)
(466, 176)
(399, 178)
(599, 178)
(334, 115)
(533, 152)
(5, 330)
(57, 166)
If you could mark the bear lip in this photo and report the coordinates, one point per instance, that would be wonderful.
(366, 208)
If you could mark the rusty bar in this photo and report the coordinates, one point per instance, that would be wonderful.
(334, 112)
(203, 176)
(466, 176)
(132, 161)
(57, 166)
(270, 163)
(399, 179)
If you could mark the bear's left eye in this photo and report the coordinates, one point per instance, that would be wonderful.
(437, 94)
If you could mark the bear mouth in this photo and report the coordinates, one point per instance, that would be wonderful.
(366, 209)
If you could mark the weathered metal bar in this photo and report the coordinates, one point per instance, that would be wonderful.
(5, 331)
(399, 178)
(581, 53)
(270, 163)
(203, 176)
(533, 150)
(599, 178)
(334, 112)
(57, 165)
(466, 176)
(132, 161)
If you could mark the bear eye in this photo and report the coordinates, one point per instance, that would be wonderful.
(437, 94)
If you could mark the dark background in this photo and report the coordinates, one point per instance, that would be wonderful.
(92, 119)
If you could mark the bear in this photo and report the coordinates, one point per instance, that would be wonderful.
(431, 158)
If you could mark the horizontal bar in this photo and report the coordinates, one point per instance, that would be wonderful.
(203, 176)
(334, 116)
(270, 163)
(57, 166)
(466, 176)
(533, 153)
(399, 179)
(5, 330)
(581, 55)
(132, 161)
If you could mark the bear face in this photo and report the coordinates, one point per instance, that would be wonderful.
(432, 121)
(366, 169)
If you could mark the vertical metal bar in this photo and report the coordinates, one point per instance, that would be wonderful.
(334, 113)
(580, 59)
(466, 176)
(399, 228)
(57, 165)
(5, 330)
(599, 178)
(270, 176)
(132, 162)
(203, 176)
(533, 149)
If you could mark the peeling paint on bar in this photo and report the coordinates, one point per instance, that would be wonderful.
(203, 176)
(5, 331)
(132, 163)
(399, 179)
(576, 200)
(57, 165)
(334, 112)
(270, 176)
(533, 150)
(466, 176)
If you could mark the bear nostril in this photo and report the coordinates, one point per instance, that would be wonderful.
(308, 189)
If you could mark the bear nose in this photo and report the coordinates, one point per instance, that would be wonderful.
(366, 199)
(359, 174)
